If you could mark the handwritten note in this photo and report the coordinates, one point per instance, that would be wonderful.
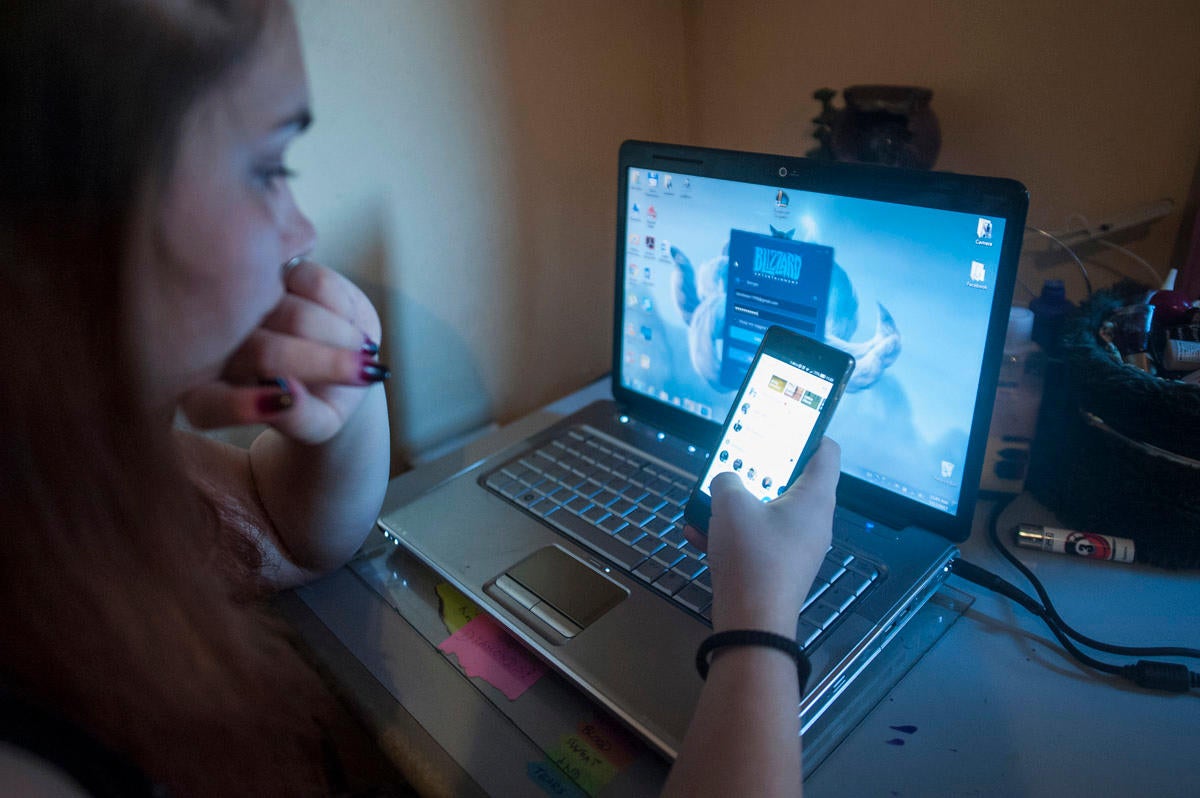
(457, 610)
(485, 649)
(551, 779)
(582, 764)
(609, 740)
(590, 756)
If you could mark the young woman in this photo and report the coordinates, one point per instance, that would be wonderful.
(152, 261)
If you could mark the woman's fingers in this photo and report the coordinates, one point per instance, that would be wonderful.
(267, 353)
(284, 404)
(332, 291)
(323, 332)
(303, 318)
(820, 476)
(730, 497)
(815, 488)
(303, 369)
(218, 404)
(695, 538)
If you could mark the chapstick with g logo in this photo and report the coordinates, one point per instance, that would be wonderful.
(1080, 544)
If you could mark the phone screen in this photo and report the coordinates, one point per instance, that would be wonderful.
(770, 426)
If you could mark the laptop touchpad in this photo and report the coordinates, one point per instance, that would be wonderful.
(559, 589)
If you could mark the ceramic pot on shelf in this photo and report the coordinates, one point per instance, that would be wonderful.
(888, 125)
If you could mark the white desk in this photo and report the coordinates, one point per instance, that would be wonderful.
(994, 709)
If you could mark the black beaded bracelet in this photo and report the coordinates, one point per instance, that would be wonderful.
(754, 637)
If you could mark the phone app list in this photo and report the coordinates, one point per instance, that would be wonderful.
(770, 427)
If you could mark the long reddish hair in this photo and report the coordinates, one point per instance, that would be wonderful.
(123, 600)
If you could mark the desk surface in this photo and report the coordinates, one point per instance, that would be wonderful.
(995, 708)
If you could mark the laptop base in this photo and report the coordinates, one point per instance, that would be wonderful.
(552, 705)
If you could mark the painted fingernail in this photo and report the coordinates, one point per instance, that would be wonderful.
(275, 401)
(369, 347)
(374, 372)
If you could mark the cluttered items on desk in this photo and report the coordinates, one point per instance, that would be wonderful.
(1159, 335)
(1112, 453)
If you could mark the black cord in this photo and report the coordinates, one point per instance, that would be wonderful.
(1110, 648)
(1167, 676)
(997, 584)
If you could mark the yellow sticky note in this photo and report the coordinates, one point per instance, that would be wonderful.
(457, 610)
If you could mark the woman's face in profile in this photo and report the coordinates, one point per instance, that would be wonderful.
(208, 250)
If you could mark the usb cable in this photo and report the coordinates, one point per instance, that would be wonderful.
(1165, 676)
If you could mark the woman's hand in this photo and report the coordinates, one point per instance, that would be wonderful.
(765, 555)
(305, 369)
(745, 735)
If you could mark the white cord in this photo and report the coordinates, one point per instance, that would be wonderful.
(1082, 269)
(1157, 278)
(1028, 290)
(1099, 239)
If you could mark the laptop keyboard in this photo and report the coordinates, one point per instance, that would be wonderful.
(629, 509)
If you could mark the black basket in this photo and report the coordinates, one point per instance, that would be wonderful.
(1117, 450)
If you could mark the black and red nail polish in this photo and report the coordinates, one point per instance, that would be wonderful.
(371, 371)
(369, 347)
(275, 401)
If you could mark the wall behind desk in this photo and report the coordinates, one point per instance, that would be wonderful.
(462, 168)
(1093, 104)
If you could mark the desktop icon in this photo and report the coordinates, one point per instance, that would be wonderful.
(978, 272)
(984, 230)
(666, 181)
(947, 469)
(650, 242)
(652, 179)
(635, 177)
(781, 199)
(651, 213)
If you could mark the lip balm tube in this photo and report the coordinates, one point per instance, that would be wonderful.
(1080, 544)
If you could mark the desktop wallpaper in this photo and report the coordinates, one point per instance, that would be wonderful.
(906, 290)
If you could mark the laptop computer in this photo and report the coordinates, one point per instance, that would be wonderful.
(572, 539)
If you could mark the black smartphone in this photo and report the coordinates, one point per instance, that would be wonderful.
(778, 418)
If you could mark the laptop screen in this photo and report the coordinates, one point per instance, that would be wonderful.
(710, 263)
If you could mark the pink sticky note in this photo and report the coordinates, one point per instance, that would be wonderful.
(485, 649)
